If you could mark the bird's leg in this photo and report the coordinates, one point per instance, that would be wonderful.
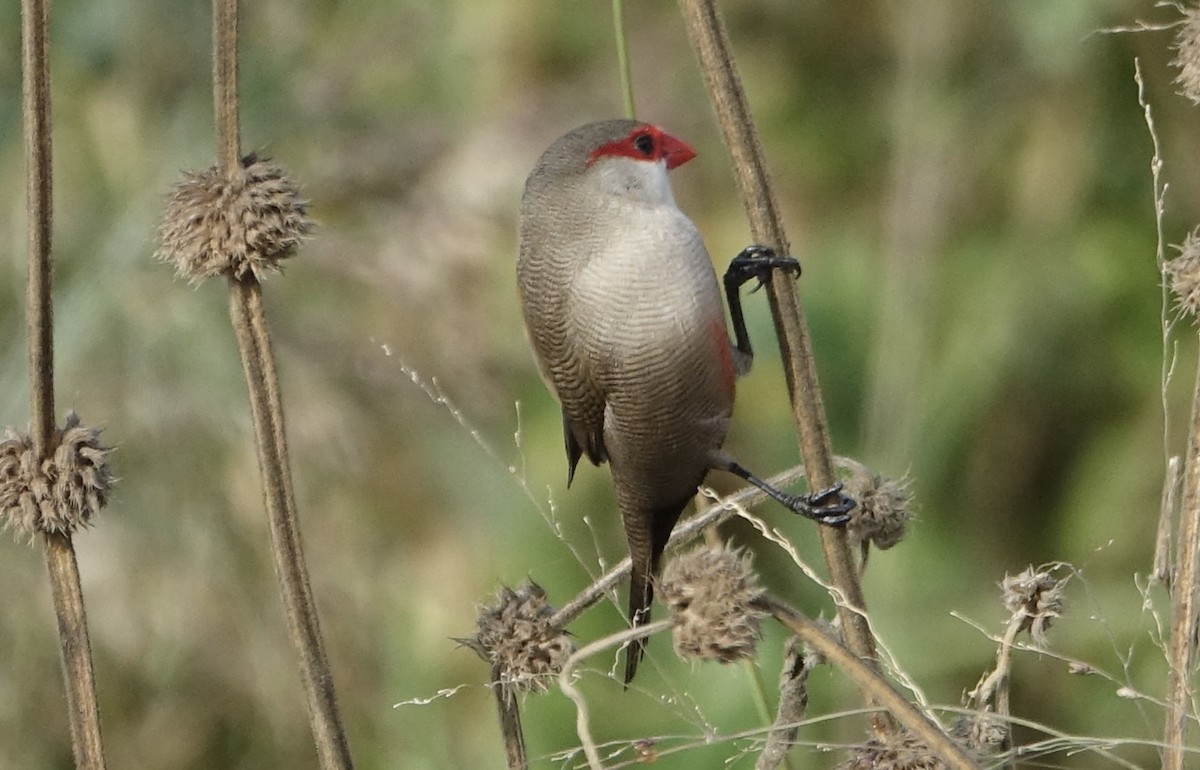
(827, 506)
(751, 262)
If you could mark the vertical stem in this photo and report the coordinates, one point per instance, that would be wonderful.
(225, 84)
(510, 723)
(707, 32)
(76, 652)
(618, 11)
(793, 702)
(254, 344)
(38, 202)
(74, 646)
(1183, 623)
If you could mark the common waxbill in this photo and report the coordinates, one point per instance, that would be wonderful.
(623, 310)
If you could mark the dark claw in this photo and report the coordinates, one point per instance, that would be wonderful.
(827, 506)
(757, 262)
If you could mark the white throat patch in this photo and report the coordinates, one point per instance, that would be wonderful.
(639, 180)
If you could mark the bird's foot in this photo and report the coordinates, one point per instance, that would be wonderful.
(827, 506)
(757, 262)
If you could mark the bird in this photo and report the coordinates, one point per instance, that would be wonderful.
(622, 307)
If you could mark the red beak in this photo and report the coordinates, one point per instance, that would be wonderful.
(675, 151)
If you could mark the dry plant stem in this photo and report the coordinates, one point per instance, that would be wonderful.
(225, 84)
(1183, 618)
(38, 202)
(870, 681)
(63, 569)
(510, 723)
(254, 344)
(793, 702)
(994, 687)
(582, 722)
(709, 38)
(618, 12)
(84, 711)
(1162, 569)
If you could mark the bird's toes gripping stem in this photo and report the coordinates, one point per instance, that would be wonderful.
(757, 262)
(827, 506)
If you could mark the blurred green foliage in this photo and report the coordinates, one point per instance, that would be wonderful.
(969, 191)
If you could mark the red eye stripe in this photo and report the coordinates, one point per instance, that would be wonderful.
(647, 143)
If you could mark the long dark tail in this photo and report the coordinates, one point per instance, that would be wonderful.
(647, 533)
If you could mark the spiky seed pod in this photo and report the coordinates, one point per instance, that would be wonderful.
(1183, 272)
(514, 635)
(981, 733)
(898, 752)
(59, 494)
(883, 511)
(1187, 56)
(1035, 598)
(712, 595)
(239, 226)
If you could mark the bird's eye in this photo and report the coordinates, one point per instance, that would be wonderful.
(644, 144)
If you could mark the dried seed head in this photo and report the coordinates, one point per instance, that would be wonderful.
(242, 225)
(883, 510)
(1187, 58)
(981, 733)
(515, 636)
(898, 752)
(1184, 274)
(59, 494)
(711, 594)
(1035, 599)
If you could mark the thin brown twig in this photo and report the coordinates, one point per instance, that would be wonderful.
(74, 645)
(992, 692)
(793, 702)
(246, 313)
(868, 680)
(711, 42)
(225, 85)
(254, 344)
(39, 209)
(76, 652)
(510, 721)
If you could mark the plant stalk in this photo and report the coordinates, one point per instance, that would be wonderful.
(74, 646)
(1184, 616)
(868, 680)
(618, 12)
(254, 344)
(711, 42)
(510, 723)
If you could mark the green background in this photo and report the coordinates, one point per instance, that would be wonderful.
(967, 185)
